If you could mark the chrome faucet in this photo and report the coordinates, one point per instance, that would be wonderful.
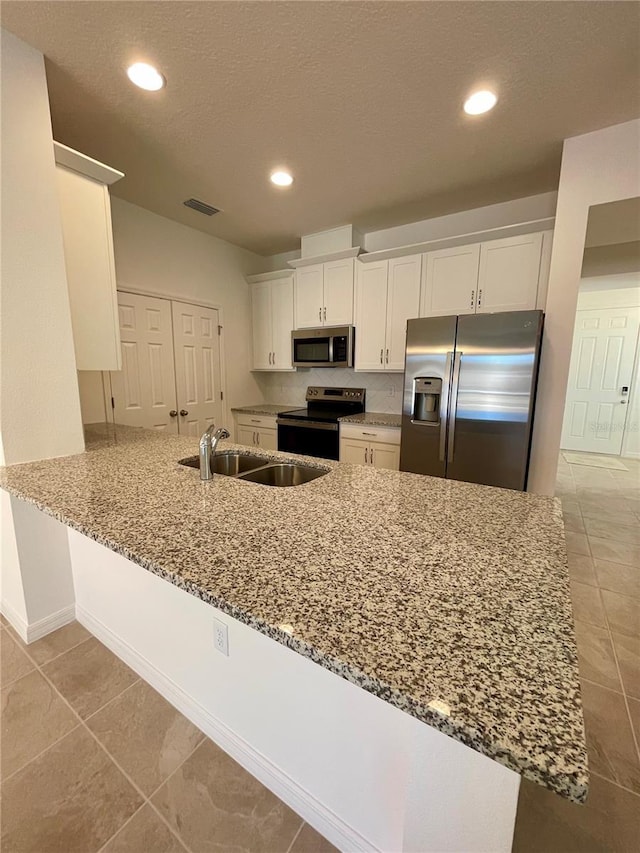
(208, 444)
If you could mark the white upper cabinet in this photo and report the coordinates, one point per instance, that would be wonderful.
(403, 303)
(272, 318)
(509, 274)
(451, 281)
(387, 295)
(85, 212)
(324, 294)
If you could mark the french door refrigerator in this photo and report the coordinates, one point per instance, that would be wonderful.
(469, 394)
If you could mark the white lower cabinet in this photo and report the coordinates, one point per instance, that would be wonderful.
(376, 446)
(257, 431)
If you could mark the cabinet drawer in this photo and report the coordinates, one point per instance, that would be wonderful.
(384, 435)
(256, 421)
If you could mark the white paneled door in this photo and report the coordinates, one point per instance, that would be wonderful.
(144, 391)
(170, 378)
(598, 392)
(195, 340)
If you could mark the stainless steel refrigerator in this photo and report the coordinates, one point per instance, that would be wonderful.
(469, 394)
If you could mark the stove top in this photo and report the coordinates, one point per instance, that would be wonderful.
(329, 404)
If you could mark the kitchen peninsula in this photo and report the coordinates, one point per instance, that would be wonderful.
(431, 619)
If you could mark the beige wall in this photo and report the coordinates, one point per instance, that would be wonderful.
(40, 414)
(611, 259)
(596, 168)
(158, 255)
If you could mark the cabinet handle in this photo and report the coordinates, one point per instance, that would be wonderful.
(319, 313)
(258, 439)
(274, 358)
(253, 421)
(269, 358)
(173, 413)
(184, 413)
(387, 356)
(325, 312)
(381, 354)
(253, 438)
(372, 434)
(480, 297)
(473, 294)
(372, 455)
(366, 456)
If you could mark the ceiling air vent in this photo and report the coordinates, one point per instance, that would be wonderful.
(201, 207)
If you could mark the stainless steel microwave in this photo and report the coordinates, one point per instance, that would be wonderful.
(331, 346)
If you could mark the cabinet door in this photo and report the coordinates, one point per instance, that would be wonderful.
(385, 456)
(267, 439)
(371, 301)
(338, 293)
(85, 213)
(144, 391)
(309, 300)
(261, 325)
(246, 436)
(451, 281)
(197, 362)
(281, 323)
(509, 272)
(356, 452)
(403, 303)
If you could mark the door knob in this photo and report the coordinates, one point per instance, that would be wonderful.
(184, 412)
(173, 413)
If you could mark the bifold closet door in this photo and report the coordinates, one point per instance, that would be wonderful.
(197, 367)
(144, 391)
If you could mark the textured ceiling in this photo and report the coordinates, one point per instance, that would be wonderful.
(361, 100)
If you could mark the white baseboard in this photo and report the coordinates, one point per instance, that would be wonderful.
(29, 632)
(630, 455)
(272, 777)
(15, 620)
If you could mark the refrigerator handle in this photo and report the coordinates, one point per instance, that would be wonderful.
(454, 402)
(444, 405)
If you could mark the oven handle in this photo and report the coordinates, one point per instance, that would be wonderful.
(307, 424)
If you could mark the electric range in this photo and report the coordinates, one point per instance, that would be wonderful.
(314, 431)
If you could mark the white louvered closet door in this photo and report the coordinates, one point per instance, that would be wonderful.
(197, 367)
(144, 391)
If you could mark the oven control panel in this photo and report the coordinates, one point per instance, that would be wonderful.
(346, 395)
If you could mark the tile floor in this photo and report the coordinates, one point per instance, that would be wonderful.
(93, 759)
(602, 520)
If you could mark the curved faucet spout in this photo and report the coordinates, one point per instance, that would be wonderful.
(208, 444)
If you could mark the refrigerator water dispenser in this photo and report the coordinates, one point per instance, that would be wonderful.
(426, 399)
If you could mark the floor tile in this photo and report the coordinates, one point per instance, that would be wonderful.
(627, 651)
(3, 621)
(573, 522)
(595, 656)
(89, 676)
(581, 569)
(310, 841)
(634, 713)
(33, 717)
(57, 642)
(618, 578)
(155, 740)
(604, 528)
(71, 799)
(609, 822)
(570, 504)
(145, 833)
(587, 606)
(610, 743)
(615, 552)
(577, 543)
(211, 790)
(14, 663)
(623, 613)
(603, 503)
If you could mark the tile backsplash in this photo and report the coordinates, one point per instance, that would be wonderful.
(384, 390)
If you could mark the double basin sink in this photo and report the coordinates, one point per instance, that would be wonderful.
(254, 469)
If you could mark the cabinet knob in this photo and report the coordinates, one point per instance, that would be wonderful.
(173, 413)
(184, 413)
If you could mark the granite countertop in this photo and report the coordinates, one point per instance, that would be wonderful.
(264, 409)
(373, 419)
(449, 600)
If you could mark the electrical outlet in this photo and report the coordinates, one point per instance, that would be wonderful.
(392, 390)
(221, 637)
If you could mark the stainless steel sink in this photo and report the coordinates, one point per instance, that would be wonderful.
(283, 474)
(229, 463)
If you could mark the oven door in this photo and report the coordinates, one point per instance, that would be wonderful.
(310, 438)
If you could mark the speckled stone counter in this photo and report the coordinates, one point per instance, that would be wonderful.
(380, 419)
(446, 599)
(264, 409)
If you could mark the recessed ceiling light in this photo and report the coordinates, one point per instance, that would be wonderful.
(480, 102)
(145, 76)
(281, 179)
